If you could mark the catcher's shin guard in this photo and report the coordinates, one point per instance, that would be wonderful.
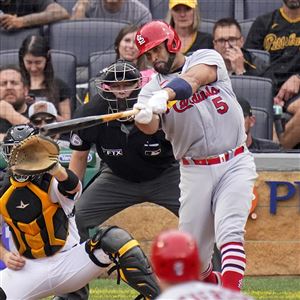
(130, 261)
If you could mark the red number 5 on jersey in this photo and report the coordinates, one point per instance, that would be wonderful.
(220, 105)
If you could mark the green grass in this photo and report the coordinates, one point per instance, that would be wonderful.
(266, 288)
(273, 287)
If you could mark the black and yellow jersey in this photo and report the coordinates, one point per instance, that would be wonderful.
(276, 33)
(39, 227)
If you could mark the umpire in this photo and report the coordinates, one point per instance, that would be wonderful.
(135, 167)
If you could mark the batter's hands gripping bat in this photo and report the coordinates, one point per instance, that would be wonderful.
(85, 122)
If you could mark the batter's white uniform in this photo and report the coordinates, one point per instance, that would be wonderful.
(66, 271)
(215, 199)
(198, 290)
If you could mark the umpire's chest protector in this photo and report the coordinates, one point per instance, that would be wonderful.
(39, 227)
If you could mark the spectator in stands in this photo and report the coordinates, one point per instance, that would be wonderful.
(278, 32)
(126, 49)
(255, 144)
(184, 16)
(20, 14)
(228, 41)
(13, 103)
(132, 11)
(42, 113)
(36, 67)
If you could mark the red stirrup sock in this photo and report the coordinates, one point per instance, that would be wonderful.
(211, 276)
(233, 265)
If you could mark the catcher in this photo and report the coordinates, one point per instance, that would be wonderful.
(37, 203)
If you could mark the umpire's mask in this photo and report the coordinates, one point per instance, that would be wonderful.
(120, 84)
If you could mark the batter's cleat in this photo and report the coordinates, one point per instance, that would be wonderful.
(130, 261)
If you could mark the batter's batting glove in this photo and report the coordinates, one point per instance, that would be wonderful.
(144, 116)
(158, 102)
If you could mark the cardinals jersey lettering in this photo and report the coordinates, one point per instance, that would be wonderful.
(190, 124)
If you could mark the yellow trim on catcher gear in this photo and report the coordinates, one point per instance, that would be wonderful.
(170, 103)
(29, 235)
(129, 245)
(123, 276)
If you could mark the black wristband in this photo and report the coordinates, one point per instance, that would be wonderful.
(70, 183)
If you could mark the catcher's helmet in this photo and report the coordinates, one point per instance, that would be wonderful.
(175, 257)
(154, 33)
(124, 72)
(14, 135)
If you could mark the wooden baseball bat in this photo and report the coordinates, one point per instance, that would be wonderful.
(84, 122)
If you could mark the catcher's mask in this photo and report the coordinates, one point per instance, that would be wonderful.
(13, 136)
(175, 257)
(120, 85)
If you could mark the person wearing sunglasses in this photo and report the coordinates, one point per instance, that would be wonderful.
(228, 41)
(42, 113)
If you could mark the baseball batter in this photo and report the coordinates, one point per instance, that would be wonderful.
(48, 258)
(206, 128)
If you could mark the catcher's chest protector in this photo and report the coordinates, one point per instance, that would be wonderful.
(38, 226)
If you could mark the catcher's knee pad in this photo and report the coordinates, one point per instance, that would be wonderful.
(2, 294)
(130, 261)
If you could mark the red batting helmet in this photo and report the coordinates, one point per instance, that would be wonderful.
(175, 257)
(154, 33)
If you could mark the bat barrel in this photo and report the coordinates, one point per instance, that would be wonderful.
(84, 122)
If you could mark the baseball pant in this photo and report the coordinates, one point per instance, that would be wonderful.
(61, 273)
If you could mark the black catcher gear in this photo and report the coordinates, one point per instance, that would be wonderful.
(130, 261)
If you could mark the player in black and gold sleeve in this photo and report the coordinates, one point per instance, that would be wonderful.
(45, 255)
(278, 32)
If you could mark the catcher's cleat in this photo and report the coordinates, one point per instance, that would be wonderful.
(130, 261)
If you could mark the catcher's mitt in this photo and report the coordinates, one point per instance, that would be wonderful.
(34, 155)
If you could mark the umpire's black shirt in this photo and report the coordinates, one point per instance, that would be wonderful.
(128, 152)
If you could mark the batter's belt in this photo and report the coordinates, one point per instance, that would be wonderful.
(213, 160)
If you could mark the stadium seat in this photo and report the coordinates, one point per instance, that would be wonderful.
(255, 8)
(83, 37)
(100, 60)
(10, 40)
(9, 57)
(64, 65)
(263, 55)
(257, 91)
(261, 128)
(209, 9)
(207, 25)
(245, 26)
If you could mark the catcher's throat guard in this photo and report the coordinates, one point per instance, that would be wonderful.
(130, 261)
(34, 155)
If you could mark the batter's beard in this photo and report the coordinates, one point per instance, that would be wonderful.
(292, 4)
(166, 68)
